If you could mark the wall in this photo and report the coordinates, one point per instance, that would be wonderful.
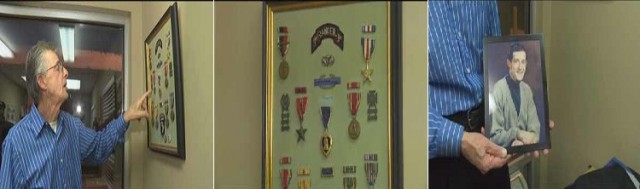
(592, 66)
(414, 94)
(238, 76)
(12, 95)
(238, 80)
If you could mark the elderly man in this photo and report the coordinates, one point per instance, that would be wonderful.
(45, 149)
(515, 119)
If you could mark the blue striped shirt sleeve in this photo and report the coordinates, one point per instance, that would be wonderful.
(11, 166)
(96, 147)
(445, 137)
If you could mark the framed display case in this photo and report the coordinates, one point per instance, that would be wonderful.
(331, 95)
(164, 78)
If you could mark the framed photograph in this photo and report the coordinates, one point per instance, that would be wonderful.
(517, 115)
(331, 95)
(164, 79)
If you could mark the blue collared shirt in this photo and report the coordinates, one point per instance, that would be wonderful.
(34, 156)
(456, 32)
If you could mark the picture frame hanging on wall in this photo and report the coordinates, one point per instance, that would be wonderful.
(331, 95)
(163, 71)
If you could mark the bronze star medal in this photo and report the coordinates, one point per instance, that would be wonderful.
(301, 106)
(354, 104)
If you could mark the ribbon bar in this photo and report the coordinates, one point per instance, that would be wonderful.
(283, 29)
(371, 157)
(349, 169)
(303, 171)
(285, 160)
(368, 28)
(301, 90)
(353, 85)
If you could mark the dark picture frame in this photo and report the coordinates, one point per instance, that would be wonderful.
(526, 128)
(163, 72)
(308, 60)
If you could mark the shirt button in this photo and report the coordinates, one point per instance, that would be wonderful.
(61, 160)
(468, 70)
(460, 34)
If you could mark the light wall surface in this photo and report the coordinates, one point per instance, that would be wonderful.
(592, 65)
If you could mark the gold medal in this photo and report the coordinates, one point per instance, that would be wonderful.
(354, 129)
(284, 70)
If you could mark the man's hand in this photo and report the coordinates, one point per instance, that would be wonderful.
(482, 153)
(136, 110)
(536, 154)
(527, 137)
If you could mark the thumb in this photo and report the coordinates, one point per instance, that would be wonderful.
(496, 150)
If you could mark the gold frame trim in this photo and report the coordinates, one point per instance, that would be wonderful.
(272, 7)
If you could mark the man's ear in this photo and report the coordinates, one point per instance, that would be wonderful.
(508, 63)
(41, 83)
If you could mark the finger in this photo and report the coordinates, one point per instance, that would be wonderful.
(536, 154)
(141, 99)
(551, 124)
(545, 151)
(495, 150)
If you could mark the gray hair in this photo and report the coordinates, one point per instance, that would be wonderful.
(34, 67)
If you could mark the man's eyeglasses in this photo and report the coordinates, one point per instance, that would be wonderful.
(58, 67)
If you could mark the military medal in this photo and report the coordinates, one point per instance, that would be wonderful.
(162, 123)
(371, 170)
(172, 99)
(283, 45)
(284, 103)
(285, 175)
(349, 182)
(368, 45)
(304, 183)
(301, 106)
(327, 142)
(171, 68)
(354, 103)
(153, 81)
(372, 100)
